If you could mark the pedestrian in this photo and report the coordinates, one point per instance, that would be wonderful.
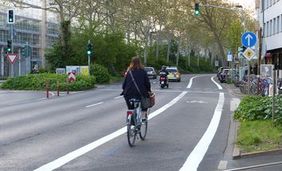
(136, 71)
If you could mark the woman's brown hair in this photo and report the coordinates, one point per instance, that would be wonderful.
(135, 63)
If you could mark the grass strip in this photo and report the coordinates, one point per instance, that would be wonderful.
(254, 136)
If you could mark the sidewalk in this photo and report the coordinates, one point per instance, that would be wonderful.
(233, 90)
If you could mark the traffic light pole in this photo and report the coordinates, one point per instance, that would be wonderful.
(19, 53)
(89, 63)
(12, 48)
(2, 62)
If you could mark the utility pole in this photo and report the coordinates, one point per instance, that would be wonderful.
(2, 62)
(43, 32)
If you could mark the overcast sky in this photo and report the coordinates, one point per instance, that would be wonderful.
(245, 3)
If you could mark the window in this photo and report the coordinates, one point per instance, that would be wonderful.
(267, 29)
(278, 25)
(270, 28)
(281, 23)
(264, 30)
(274, 26)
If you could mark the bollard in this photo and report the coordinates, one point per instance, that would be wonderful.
(58, 88)
(68, 92)
(47, 88)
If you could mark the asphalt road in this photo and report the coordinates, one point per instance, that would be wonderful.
(188, 129)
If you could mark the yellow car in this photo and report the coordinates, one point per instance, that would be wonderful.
(174, 74)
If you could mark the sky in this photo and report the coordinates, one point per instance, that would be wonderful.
(245, 3)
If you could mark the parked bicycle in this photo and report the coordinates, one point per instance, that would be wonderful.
(136, 123)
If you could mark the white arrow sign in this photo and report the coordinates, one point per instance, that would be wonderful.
(249, 38)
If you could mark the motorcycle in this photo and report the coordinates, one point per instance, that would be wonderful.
(163, 81)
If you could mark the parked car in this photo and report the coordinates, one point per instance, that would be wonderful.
(151, 72)
(228, 73)
(174, 74)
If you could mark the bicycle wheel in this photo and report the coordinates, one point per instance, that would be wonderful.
(131, 132)
(143, 127)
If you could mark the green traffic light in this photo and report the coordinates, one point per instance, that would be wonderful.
(197, 9)
(88, 52)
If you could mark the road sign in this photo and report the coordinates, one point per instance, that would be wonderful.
(229, 56)
(249, 39)
(249, 53)
(12, 57)
(71, 76)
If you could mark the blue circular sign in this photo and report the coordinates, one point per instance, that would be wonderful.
(249, 39)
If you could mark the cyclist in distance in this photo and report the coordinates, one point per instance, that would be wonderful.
(142, 81)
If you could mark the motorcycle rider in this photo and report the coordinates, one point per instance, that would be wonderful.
(164, 73)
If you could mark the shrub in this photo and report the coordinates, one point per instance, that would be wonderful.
(38, 82)
(101, 73)
(259, 108)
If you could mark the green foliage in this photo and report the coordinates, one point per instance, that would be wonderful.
(258, 136)
(259, 108)
(38, 82)
(109, 50)
(234, 35)
(254, 108)
(101, 73)
(204, 66)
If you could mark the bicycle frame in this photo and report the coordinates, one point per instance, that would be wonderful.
(135, 124)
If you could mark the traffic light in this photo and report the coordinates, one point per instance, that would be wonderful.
(9, 46)
(89, 48)
(10, 17)
(197, 9)
(26, 51)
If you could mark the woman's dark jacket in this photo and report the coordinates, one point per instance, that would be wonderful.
(142, 81)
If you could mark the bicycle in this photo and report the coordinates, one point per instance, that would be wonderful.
(135, 123)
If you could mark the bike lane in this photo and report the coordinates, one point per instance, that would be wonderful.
(172, 136)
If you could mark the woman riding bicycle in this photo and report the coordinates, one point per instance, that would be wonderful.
(136, 71)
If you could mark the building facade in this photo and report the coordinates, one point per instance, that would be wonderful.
(270, 19)
(32, 27)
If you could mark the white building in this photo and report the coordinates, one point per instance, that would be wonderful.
(270, 19)
(35, 27)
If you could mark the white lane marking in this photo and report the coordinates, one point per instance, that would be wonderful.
(198, 153)
(190, 82)
(234, 103)
(195, 101)
(222, 165)
(52, 94)
(94, 104)
(118, 97)
(218, 86)
(81, 151)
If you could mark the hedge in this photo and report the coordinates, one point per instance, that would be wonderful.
(38, 82)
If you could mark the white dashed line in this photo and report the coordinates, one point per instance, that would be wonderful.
(222, 165)
(118, 97)
(94, 104)
(234, 103)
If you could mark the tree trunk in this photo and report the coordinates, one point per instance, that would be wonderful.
(168, 50)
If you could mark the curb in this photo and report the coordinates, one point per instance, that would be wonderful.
(238, 155)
